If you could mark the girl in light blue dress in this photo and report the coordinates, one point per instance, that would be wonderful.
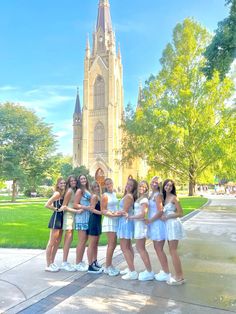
(126, 227)
(110, 210)
(157, 229)
(82, 205)
(174, 229)
(140, 230)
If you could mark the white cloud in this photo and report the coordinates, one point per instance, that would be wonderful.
(7, 88)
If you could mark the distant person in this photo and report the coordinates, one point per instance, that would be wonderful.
(174, 229)
(109, 205)
(140, 229)
(94, 229)
(125, 230)
(68, 220)
(55, 224)
(82, 204)
(156, 228)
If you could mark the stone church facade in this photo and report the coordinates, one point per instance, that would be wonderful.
(96, 127)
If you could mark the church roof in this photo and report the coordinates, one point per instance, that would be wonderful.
(104, 16)
(77, 104)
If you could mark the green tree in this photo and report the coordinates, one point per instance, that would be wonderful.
(222, 50)
(26, 144)
(184, 125)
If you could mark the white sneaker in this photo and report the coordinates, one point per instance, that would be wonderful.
(111, 271)
(55, 266)
(81, 266)
(131, 275)
(162, 276)
(124, 271)
(146, 275)
(51, 268)
(67, 266)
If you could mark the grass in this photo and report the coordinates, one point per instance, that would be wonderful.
(25, 225)
(21, 199)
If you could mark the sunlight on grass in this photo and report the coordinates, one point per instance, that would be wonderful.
(26, 225)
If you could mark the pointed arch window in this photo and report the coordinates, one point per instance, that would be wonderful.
(99, 138)
(99, 93)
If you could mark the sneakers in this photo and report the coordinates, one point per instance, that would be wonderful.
(97, 265)
(52, 268)
(162, 276)
(94, 270)
(146, 275)
(131, 275)
(173, 282)
(124, 271)
(67, 266)
(81, 266)
(111, 271)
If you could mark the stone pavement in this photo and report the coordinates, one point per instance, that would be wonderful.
(209, 261)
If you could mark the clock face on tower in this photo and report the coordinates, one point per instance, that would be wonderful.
(100, 39)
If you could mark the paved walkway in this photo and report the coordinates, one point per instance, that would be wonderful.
(209, 260)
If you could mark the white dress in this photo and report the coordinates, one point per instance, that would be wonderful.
(174, 227)
(157, 229)
(140, 228)
(110, 224)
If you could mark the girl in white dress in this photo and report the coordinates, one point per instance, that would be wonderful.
(156, 228)
(109, 208)
(174, 229)
(140, 229)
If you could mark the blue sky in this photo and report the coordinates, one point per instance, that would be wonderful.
(42, 46)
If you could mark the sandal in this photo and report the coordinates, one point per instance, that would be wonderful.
(173, 282)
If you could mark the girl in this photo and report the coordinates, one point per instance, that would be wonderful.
(55, 224)
(95, 229)
(82, 204)
(140, 209)
(126, 227)
(156, 229)
(68, 220)
(109, 203)
(174, 228)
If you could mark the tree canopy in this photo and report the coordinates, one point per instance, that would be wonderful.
(185, 125)
(222, 50)
(26, 145)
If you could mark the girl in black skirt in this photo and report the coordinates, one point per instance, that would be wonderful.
(94, 229)
(55, 224)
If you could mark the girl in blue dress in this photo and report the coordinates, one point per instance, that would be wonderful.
(156, 228)
(82, 205)
(126, 227)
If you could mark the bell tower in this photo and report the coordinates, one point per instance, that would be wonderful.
(102, 111)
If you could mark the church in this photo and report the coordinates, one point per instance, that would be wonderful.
(97, 134)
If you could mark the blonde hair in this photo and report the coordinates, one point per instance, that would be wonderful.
(93, 185)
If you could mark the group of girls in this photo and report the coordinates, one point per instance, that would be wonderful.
(139, 215)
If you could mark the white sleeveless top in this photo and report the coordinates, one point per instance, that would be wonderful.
(110, 224)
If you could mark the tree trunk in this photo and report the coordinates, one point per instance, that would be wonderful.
(192, 181)
(14, 191)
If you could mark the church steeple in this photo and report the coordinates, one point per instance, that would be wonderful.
(103, 37)
(104, 16)
(77, 112)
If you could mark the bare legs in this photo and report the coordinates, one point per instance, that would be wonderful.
(158, 246)
(127, 249)
(67, 243)
(53, 245)
(140, 245)
(173, 245)
(92, 250)
(111, 245)
(83, 237)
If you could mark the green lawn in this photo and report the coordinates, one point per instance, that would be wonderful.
(25, 225)
(21, 199)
